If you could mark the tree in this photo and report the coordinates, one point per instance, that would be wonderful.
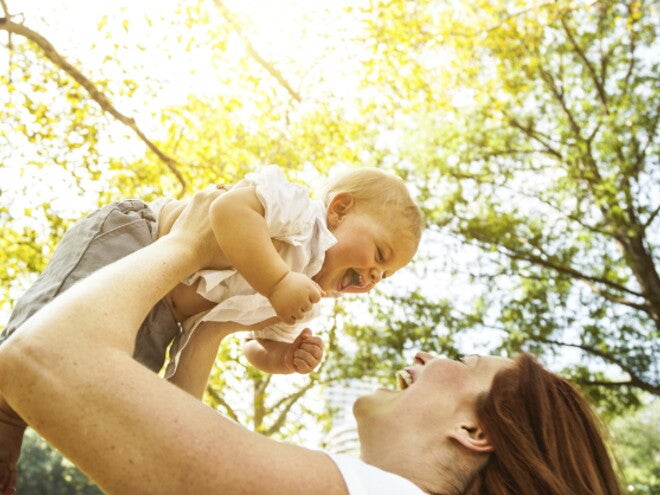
(533, 127)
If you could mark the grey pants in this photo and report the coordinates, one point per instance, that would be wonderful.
(97, 240)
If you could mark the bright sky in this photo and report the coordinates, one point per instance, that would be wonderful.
(279, 30)
(151, 54)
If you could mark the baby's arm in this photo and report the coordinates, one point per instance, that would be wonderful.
(240, 229)
(300, 356)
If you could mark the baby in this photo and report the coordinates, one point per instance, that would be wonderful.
(279, 252)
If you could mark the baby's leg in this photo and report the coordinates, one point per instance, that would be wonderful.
(12, 429)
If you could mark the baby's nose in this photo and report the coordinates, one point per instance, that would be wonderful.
(376, 275)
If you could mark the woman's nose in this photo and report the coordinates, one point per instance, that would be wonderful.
(423, 357)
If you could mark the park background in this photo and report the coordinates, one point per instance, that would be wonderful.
(527, 130)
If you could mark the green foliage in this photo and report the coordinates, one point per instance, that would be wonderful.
(43, 470)
(636, 446)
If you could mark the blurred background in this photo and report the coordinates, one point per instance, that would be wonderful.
(527, 130)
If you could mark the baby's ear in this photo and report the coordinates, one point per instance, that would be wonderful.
(338, 208)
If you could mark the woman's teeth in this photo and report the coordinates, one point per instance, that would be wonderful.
(403, 379)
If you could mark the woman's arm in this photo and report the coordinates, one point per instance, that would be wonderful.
(69, 373)
(198, 356)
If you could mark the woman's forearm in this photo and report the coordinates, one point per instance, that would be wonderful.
(198, 356)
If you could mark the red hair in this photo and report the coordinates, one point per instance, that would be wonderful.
(546, 437)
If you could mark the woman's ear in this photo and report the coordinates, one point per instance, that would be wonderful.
(338, 208)
(472, 437)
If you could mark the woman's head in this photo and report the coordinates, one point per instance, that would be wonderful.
(485, 425)
(546, 437)
(428, 431)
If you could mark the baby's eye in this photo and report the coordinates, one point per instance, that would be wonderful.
(379, 256)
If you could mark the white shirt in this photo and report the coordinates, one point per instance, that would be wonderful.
(293, 218)
(364, 479)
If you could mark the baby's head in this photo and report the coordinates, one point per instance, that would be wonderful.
(378, 227)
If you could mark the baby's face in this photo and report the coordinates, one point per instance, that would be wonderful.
(367, 250)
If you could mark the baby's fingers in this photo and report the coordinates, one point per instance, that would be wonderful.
(304, 364)
(316, 295)
(313, 345)
(308, 355)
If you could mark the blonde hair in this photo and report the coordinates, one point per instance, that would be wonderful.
(383, 195)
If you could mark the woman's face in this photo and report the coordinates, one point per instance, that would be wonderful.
(437, 397)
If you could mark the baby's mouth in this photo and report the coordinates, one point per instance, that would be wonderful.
(351, 279)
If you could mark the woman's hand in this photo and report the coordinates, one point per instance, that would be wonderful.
(193, 228)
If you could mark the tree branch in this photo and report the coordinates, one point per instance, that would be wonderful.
(652, 216)
(290, 400)
(559, 95)
(536, 136)
(218, 398)
(634, 379)
(255, 54)
(538, 260)
(106, 105)
(599, 86)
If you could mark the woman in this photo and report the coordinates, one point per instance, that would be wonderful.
(485, 425)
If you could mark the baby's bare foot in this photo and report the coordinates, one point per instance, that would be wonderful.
(12, 428)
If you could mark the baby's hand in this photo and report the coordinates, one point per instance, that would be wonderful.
(305, 353)
(294, 295)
